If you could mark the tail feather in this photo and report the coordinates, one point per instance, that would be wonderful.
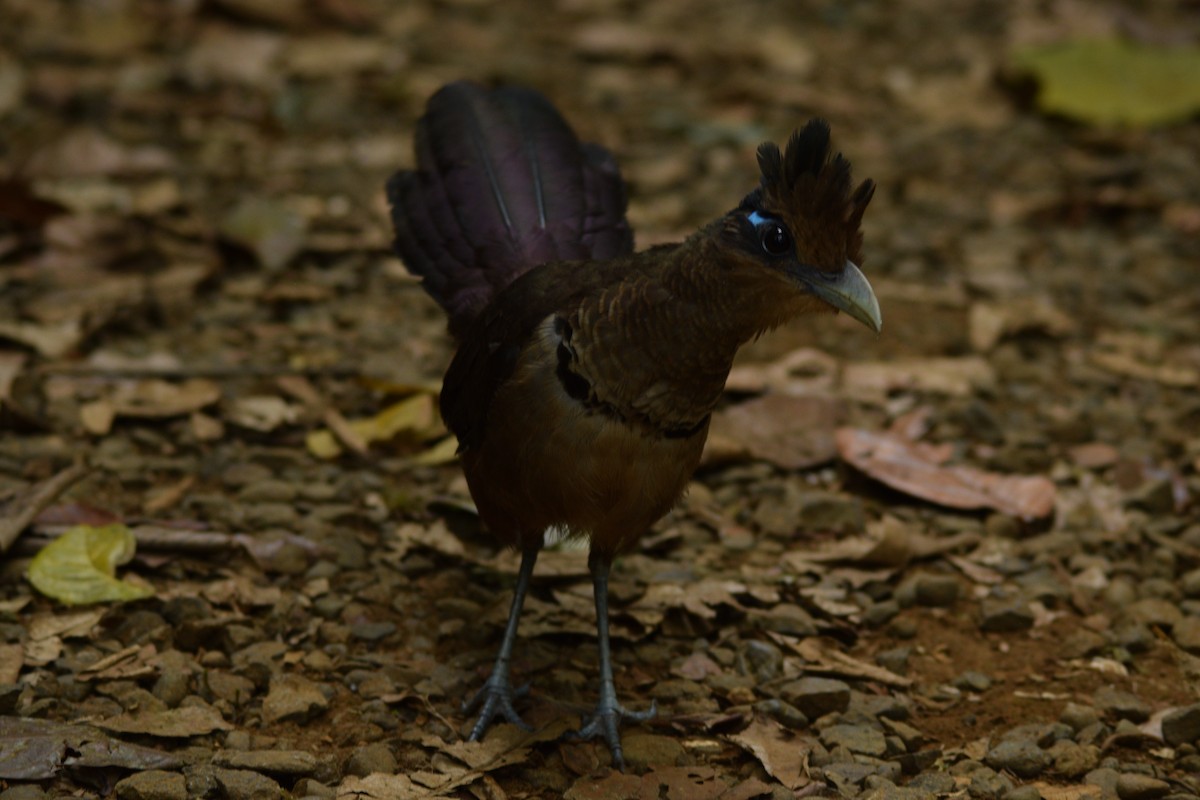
(501, 185)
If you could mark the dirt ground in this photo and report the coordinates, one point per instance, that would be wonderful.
(986, 583)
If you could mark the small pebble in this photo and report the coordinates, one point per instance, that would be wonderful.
(973, 681)
(240, 784)
(816, 697)
(1187, 634)
(1073, 760)
(1122, 704)
(23, 791)
(1024, 793)
(1182, 725)
(881, 613)
(862, 739)
(759, 660)
(1079, 716)
(1131, 786)
(782, 712)
(895, 659)
(377, 757)
(152, 784)
(938, 591)
(1022, 757)
(1005, 615)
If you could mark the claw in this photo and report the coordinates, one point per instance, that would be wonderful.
(605, 723)
(495, 698)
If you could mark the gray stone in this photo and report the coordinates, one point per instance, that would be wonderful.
(293, 698)
(861, 739)
(1093, 734)
(376, 757)
(973, 681)
(816, 697)
(1187, 634)
(1022, 757)
(643, 749)
(1131, 786)
(1122, 704)
(825, 511)
(1105, 778)
(1005, 615)
(760, 660)
(933, 782)
(1189, 583)
(910, 736)
(895, 659)
(372, 631)
(23, 791)
(277, 762)
(938, 591)
(1155, 611)
(1136, 637)
(883, 789)
(879, 706)
(153, 784)
(987, 783)
(1079, 716)
(308, 787)
(1083, 643)
(879, 614)
(1073, 760)
(240, 784)
(784, 618)
(847, 775)
(269, 490)
(1156, 496)
(1182, 725)
(782, 712)
(1024, 793)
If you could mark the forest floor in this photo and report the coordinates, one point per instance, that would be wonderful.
(957, 559)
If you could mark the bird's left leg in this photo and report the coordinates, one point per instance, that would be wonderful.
(497, 695)
(606, 719)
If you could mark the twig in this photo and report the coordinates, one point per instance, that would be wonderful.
(182, 371)
(18, 512)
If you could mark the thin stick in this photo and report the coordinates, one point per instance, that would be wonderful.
(18, 512)
(215, 371)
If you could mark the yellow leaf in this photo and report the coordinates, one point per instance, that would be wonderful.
(443, 452)
(1114, 82)
(80, 566)
(415, 416)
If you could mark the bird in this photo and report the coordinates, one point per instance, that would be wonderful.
(586, 374)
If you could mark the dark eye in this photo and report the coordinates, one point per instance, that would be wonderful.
(776, 241)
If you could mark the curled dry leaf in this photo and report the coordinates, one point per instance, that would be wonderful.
(991, 322)
(905, 466)
(161, 399)
(953, 376)
(783, 755)
(790, 432)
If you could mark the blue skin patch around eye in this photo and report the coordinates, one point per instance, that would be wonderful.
(756, 218)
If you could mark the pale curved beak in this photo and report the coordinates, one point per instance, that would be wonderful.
(848, 291)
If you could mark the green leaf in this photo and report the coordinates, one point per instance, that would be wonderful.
(80, 566)
(1114, 82)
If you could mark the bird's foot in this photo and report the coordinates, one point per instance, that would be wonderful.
(605, 722)
(495, 698)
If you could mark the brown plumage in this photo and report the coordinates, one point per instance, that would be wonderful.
(581, 391)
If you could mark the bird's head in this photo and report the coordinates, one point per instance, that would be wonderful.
(802, 224)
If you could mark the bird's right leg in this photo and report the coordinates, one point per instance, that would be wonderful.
(496, 696)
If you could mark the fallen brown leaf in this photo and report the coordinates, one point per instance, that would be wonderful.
(790, 432)
(904, 465)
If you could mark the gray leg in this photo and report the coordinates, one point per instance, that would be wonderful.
(606, 719)
(496, 696)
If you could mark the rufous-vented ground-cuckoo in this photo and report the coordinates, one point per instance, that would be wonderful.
(586, 373)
